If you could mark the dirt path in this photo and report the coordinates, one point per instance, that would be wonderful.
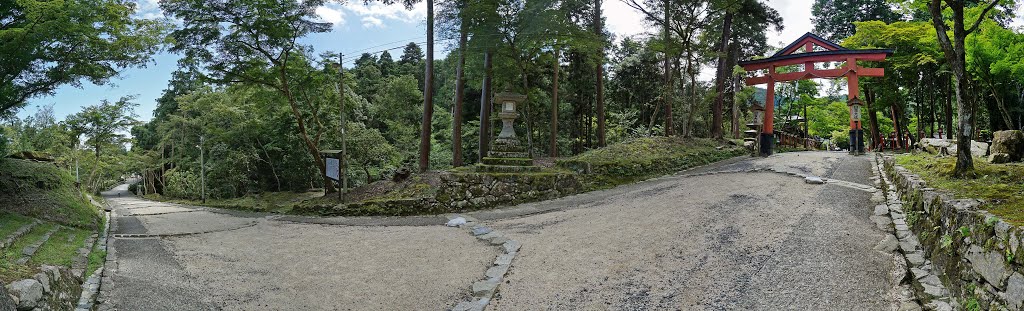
(751, 240)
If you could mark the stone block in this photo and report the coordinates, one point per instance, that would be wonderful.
(511, 246)
(1015, 291)
(999, 158)
(486, 287)
(989, 264)
(28, 292)
(497, 271)
(888, 244)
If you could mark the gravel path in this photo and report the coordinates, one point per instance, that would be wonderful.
(278, 265)
(762, 241)
(758, 240)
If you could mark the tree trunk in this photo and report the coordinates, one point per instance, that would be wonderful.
(311, 146)
(553, 149)
(876, 138)
(598, 30)
(722, 75)
(955, 53)
(692, 112)
(731, 94)
(485, 107)
(668, 72)
(428, 92)
(460, 93)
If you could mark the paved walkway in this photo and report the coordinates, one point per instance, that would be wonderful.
(739, 240)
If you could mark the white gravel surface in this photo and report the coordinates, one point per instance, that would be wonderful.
(761, 241)
(735, 241)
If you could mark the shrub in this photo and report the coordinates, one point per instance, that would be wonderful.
(183, 185)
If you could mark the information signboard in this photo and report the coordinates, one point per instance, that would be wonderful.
(334, 168)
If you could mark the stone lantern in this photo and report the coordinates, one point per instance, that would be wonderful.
(507, 153)
(508, 102)
(758, 111)
(856, 131)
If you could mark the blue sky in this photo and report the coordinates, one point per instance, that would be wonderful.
(356, 27)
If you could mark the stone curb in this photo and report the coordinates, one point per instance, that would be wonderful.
(98, 284)
(483, 290)
(91, 285)
(17, 234)
(921, 272)
(32, 248)
(162, 235)
(830, 181)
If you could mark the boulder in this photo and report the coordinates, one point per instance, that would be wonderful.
(28, 291)
(6, 301)
(978, 149)
(999, 158)
(1009, 142)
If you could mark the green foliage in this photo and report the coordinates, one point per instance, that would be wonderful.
(840, 139)
(965, 231)
(47, 44)
(44, 191)
(834, 19)
(946, 242)
(183, 184)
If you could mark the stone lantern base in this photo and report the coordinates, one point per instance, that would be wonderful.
(507, 155)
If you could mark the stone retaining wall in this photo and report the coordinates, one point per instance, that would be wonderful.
(52, 289)
(473, 191)
(980, 255)
(459, 192)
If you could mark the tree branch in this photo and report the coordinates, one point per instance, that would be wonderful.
(982, 16)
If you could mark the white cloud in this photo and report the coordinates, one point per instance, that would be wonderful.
(149, 9)
(371, 22)
(376, 14)
(622, 19)
(796, 17)
(330, 15)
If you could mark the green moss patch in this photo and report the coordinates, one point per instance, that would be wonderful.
(1001, 186)
(645, 158)
(9, 223)
(62, 248)
(44, 191)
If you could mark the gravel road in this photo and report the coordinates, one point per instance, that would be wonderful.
(730, 241)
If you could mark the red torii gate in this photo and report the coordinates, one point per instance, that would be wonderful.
(808, 50)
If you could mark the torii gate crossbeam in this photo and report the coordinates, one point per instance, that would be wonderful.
(803, 52)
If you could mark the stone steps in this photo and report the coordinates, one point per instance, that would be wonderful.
(508, 161)
(81, 261)
(26, 254)
(501, 154)
(506, 169)
(17, 234)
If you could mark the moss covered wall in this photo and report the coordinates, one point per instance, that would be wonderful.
(979, 254)
(473, 191)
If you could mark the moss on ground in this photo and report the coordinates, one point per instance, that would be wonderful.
(645, 158)
(44, 191)
(1001, 186)
(9, 223)
(62, 248)
(272, 202)
(9, 270)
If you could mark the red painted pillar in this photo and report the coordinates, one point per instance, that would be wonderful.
(853, 84)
